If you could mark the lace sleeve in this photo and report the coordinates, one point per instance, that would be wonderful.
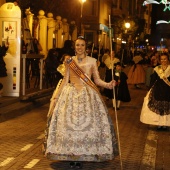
(98, 80)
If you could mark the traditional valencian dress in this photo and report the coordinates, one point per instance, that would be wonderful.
(136, 74)
(156, 106)
(79, 127)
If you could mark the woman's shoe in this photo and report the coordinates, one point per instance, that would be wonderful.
(78, 165)
(164, 127)
(159, 127)
(72, 164)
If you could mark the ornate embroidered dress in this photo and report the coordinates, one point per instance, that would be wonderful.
(156, 106)
(79, 127)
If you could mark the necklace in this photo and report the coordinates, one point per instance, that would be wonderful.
(80, 59)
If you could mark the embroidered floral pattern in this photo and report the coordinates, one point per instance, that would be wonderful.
(159, 107)
(80, 131)
(80, 128)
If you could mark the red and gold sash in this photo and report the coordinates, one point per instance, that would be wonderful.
(80, 73)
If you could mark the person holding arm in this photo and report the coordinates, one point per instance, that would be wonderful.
(79, 127)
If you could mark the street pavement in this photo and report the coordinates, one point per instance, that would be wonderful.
(142, 147)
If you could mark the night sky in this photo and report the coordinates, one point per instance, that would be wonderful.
(161, 30)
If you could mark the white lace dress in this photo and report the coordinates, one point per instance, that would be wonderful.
(79, 127)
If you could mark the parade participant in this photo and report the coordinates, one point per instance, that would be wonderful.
(121, 88)
(150, 69)
(109, 62)
(105, 55)
(156, 106)
(136, 74)
(78, 124)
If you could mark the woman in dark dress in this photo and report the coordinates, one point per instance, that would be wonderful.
(156, 106)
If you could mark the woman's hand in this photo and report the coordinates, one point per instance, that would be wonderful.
(111, 84)
(66, 58)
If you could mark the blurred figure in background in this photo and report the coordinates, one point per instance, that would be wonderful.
(37, 46)
(68, 48)
(121, 88)
(109, 62)
(150, 69)
(136, 74)
(51, 63)
(105, 55)
(3, 70)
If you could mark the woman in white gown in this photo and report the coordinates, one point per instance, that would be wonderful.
(79, 127)
(156, 106)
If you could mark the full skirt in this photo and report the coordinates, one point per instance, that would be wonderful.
(149, 117)
(136, 74)
(80, 128)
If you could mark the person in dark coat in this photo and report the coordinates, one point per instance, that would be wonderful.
(121, 89)
(51, 63)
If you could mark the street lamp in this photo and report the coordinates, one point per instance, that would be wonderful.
(81, 15)
(127, 26)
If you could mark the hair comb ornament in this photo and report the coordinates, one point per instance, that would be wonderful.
(81, 38)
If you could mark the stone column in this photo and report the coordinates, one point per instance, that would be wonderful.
(65, 30)
(59, 32)
(51, 42)
(73, 30)
(43, 31)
